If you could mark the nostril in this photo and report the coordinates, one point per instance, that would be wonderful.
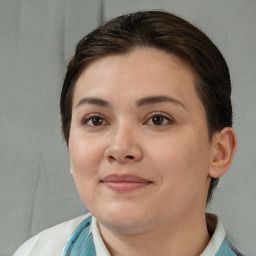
(130, 157)
(111, 158)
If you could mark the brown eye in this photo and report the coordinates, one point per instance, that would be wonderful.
(158, 120)
(95, 121)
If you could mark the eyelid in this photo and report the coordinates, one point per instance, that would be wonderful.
(83, 121)
(163, 114)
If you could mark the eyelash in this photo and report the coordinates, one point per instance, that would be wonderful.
(87, 119)
(165, 119)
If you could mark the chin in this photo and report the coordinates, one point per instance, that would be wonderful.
(125, 226)
(122, 219)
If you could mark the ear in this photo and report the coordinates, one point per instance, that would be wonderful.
(71, 169)
(224, 146)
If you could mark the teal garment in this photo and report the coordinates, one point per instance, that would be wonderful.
(227, 250)
(81, 242)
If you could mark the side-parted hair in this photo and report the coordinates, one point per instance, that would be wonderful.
(166, 32)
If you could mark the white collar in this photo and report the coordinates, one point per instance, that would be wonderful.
(98, 242)
(214, 226)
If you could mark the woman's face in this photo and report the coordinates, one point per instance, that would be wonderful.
(139, 147)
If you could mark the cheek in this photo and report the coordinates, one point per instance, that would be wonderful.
(182, 163)
(170, 156)
(85, 161)
(85, 156)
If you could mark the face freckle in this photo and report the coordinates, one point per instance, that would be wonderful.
(128, 167)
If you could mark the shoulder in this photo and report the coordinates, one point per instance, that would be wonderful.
(219, 245)
(50, 241)
(228, 249)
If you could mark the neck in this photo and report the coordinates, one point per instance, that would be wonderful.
(166, 240)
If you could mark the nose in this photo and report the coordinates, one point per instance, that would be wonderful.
(124, 145)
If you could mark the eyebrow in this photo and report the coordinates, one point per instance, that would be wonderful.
(93, 101)
(142, 102)
(158, 99)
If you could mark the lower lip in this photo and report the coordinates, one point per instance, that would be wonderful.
(126, 186)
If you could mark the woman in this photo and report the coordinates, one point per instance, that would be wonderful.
(147, 117)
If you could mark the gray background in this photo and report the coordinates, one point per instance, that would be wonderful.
(37, 38)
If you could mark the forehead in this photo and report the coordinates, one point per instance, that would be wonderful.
(141, 63)
(143, 68)
(144, 58)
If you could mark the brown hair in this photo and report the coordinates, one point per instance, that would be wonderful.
(164, 31)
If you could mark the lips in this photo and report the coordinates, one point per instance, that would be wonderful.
(125, 182)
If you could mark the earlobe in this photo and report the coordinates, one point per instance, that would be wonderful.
(71, 169)
(224, 147)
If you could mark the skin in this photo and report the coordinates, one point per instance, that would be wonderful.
(133, 129)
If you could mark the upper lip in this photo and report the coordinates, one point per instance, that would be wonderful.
(124, 178)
